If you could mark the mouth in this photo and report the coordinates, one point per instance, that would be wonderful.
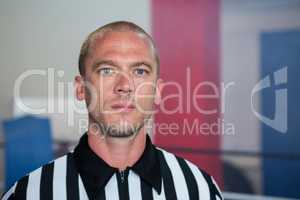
(123, 107)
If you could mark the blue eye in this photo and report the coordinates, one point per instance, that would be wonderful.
(140, 71)
(106, 71)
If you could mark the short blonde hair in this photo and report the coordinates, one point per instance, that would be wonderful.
(114, 26)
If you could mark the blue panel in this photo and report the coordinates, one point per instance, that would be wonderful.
(28, 145)
(282, 168)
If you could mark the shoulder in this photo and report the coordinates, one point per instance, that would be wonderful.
(39, 178)
(183, 170)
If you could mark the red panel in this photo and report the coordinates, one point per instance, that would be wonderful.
(187, 36)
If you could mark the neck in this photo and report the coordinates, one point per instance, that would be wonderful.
(118, 152)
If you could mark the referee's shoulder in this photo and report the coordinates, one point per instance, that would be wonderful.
(19, 188)
(191, 173)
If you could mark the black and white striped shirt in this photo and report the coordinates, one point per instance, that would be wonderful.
(82, 175)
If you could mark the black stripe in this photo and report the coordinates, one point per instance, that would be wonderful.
(72, 179)
(46, 185)
(123, 186)
(11, 197)
(212, 188)
(21, 188)
(167, 178)
(146, 191)
(189, 179)
(101, 194)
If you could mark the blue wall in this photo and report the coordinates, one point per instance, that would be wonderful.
(281, 163)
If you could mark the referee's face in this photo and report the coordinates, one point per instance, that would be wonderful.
(121, 83)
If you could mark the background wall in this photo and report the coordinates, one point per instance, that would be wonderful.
(242, 24)
(43, 34)
(48, 34)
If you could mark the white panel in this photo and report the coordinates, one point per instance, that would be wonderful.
(59, 178)
(33, 187)
(177, 174)
(134, 186)
(82, 191)
(111, 189)
(162, 195)
(204, 192)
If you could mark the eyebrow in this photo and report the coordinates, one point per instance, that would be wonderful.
(112, 63)
(136, 64)
(103, 62)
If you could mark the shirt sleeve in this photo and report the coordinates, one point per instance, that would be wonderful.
(217, 191)
(214, 190)
(10, 194)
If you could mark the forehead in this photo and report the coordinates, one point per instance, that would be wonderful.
(123, 43)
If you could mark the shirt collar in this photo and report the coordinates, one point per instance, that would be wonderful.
(95, 172)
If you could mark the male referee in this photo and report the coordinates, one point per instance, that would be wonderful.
(115, 159)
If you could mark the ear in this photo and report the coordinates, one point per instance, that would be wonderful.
(79, 88)
(158, 91)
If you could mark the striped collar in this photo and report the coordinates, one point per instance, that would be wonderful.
(95, 172)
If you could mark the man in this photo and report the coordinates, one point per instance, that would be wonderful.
(115, 159)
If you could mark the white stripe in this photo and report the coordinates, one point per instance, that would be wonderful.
(82, 192)
(59, 178)
(111, 189)
(178, 177)
(9, 192)
(162, 195)
(134, 185)
(202, 184)
(33, 187)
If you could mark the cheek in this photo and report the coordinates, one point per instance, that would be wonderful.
(145, 94)
(101, 91)
(143, 87)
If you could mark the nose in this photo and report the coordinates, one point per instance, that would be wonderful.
(124, 84)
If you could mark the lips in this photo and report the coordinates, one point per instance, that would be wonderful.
(123, 107)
